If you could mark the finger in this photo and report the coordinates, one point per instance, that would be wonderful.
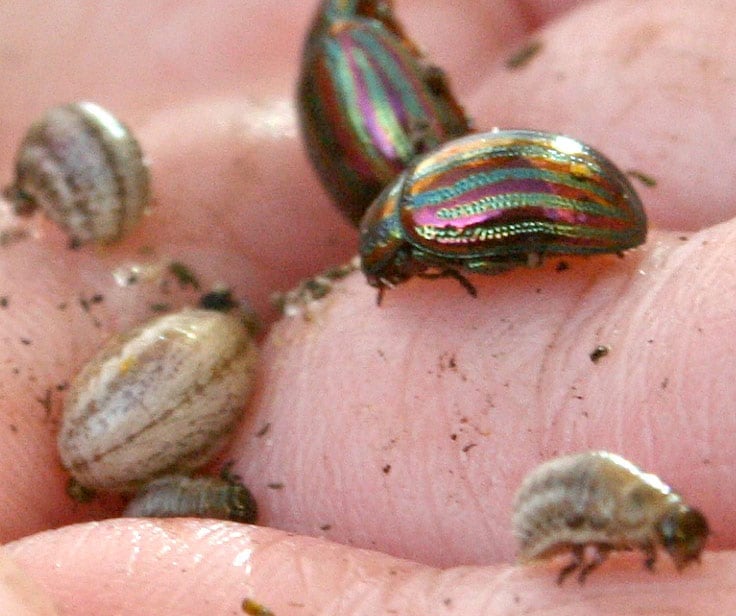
(468, 38)
(237, 199)
(649, 85)
(77, 342)
(141, 57)
(19, 595)
(423, 415)
(234, 202)
(463, 38)
(538, 12)
(134, 567)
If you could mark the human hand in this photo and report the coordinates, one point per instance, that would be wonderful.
(405, 428)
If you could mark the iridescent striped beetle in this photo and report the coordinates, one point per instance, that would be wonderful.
(368, 101)
(489, 202)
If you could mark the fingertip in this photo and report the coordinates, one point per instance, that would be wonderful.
(19, 594)
(133, 566)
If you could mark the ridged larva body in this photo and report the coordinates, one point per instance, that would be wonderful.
(220, 498)
(600, 501)
(85, 170)
(160, 398)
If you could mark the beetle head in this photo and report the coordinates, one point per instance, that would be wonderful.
(683, 532)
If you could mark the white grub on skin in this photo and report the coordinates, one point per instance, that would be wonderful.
(594, 502)
(85, 170)
(159, 399)
(219, 498)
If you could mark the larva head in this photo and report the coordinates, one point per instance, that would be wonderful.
(683, 532)
(243, 507)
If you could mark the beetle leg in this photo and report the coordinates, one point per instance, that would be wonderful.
(23, 203)
(534, 259)
(379, 295)
(452, 273)
(651, 555)
(382, 285)
(578, 552)
(600, 553)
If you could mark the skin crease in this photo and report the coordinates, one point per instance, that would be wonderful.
(405, 428)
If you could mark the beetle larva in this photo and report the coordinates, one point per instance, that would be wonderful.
(158, 399)
(368, 101)
(600, 501)
(175, 496)
(85, 170)
(489, 202)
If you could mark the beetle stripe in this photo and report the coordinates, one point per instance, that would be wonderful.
(469, 235)
(467, 157)
(379, 89)
(518, 187)
(368, 104)
(491, 207)
(479, 247)
(373, 137)
(383, 110)
(446, 195)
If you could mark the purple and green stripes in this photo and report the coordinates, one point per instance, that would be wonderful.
(368, 103)
(513, 191)
(484, 203)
